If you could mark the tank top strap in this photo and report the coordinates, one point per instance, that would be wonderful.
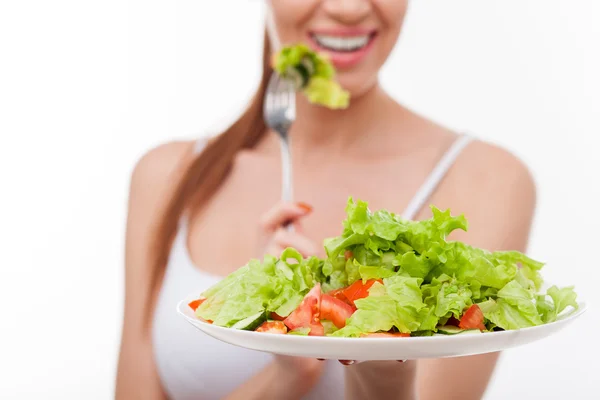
(436, 176)
(425, 191)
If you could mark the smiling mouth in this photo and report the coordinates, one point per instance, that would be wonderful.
(345, 44)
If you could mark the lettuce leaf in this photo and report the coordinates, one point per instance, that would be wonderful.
(397, 303)
(453, 297)
(333, 274)
(313, 74)
(273, 285)
(327, 92)
(520, 298)
(507, 316)
(517, 307)
(368, 272)
(561, 299)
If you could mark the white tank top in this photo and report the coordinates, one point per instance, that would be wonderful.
(192, 365)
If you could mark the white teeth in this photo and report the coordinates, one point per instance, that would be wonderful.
(342, 43)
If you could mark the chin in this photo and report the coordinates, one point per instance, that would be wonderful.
(358, 85)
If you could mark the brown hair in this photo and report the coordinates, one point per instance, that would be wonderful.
(208, 170)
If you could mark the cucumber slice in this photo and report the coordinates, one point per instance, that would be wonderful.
(454, 330)
(449, 330)
(309, 64)
(300, 332)
(301, 73)
(251, 323)
(304, 74)
(296, 77)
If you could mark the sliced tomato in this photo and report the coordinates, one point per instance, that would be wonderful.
(316, 329)
(277, 317)
(307, 313)
(453, 321)
(339, 294)
(358, 290)
(472, 318)
(272, 327)
(196, 303)
(385, 335)
(335, 310)
(348, 254)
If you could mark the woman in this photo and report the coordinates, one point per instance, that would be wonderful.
(195, 210)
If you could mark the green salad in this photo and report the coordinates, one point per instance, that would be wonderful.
(313, 74)
(386, 276)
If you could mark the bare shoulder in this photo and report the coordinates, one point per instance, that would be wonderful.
(158, 165)
(152, 181)
(497, 193)
(492, 166)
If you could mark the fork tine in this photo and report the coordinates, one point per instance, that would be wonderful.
(292, 100)
(281, 94)
(275, 92)
(279, 108)
(283, 101)
(269, 101)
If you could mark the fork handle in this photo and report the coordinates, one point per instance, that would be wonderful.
(286, 172)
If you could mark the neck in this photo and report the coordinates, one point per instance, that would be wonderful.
(338, 130)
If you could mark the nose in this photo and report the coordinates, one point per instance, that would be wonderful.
(348, 11)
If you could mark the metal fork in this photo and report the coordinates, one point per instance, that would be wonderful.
(279, 111)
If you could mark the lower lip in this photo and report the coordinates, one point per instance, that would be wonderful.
(344, 59)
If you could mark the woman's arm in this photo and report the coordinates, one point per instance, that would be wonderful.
(152, 181)
(497, 195)
(499, 204)
(137, 377)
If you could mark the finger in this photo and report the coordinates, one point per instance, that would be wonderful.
(283, 213)
(274, 250)
(304, 245)
(297, 224)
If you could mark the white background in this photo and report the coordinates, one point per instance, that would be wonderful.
(86, 87)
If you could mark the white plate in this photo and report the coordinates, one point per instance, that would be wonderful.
(362, 349)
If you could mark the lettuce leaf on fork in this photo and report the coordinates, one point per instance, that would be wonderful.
(313, 74)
